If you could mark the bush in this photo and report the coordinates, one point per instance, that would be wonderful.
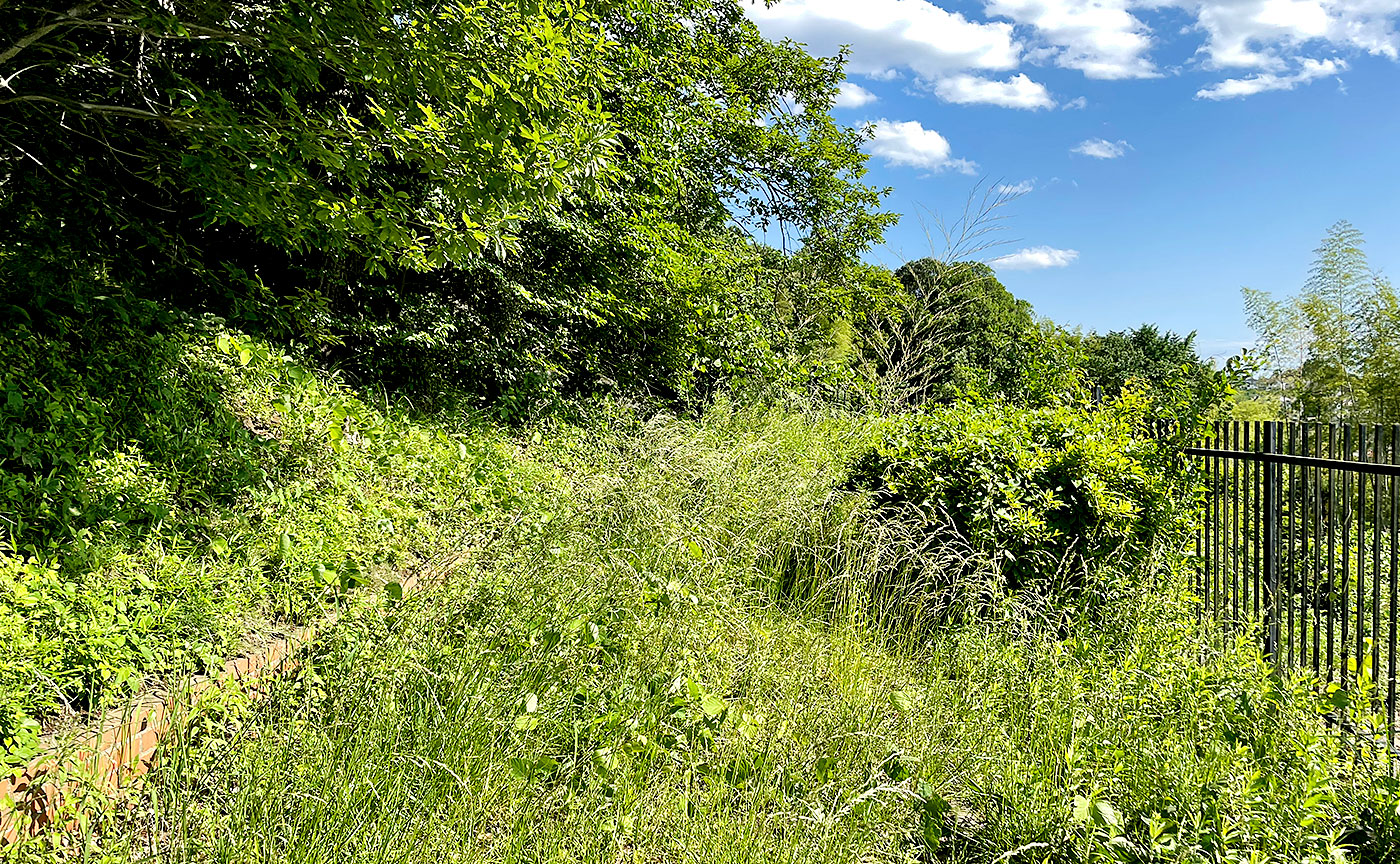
(1051, 495)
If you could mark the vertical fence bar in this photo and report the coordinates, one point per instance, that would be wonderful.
(1304, 509)
(1215, 518)
(1390, 617)
(1235, 520)
(1360, 554)
(1257, 535)
(1332, 554)
(1207, 531)
(1315, 605)
(1377, 438)
(1270, 541)
(1246, 517)
(1345, 586)
(1291, 579)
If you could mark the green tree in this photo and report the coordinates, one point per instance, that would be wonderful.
(1330, 346)
(1164, 362)
(1380, 367)
(412, 135)
(533, 198)
(972, 331)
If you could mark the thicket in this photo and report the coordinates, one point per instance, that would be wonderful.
(1070, 501)
(623, 675)
(510, 202)
(171, 487)
(484, 210)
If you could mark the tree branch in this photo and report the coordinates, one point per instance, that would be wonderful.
(110, 110)
(34, 36)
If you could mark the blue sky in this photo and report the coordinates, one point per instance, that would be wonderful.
(1174, 150)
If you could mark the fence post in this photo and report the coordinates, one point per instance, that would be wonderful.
(1271, 475)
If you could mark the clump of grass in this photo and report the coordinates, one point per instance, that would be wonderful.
(617, 676)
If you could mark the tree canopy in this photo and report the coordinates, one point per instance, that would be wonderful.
(547, 194)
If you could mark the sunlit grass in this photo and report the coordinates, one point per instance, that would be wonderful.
(621, 678)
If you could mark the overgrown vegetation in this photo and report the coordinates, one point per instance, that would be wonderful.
(752, 551)
(628, 674)
(172, 486)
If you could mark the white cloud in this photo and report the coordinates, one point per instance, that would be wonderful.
(1018, 91)
(1236, 88)
(1078, 103)
(887, 35)
(1101, 148)
(1022, 188)
(852, 95)
(955, 55)
(909, 143)
(1269, 34)
(1100, 38)
(1035, 258)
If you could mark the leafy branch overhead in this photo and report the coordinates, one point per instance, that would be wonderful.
(419, 134)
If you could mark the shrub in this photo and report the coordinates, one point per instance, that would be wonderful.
(1043, 492)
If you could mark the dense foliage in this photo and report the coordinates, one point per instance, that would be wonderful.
(610, 676)
(517, 201)
(272, 272)
(1062, 500)
(1164, 363)
(170, 487)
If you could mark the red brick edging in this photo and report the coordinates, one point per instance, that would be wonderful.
(122, 746)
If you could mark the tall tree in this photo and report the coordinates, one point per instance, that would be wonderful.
(1335, 306)
(549, 194)
(1324, 343)
(402, 133)
(970, 329)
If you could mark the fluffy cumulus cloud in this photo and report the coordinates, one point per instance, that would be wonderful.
(1101, 148)
(1100, 38)
(909, 143)
(1269, 34)
(1236, 88)
(852, 95)
(1035, 258)
(1015, 92)
(888, 35)
(957, 57)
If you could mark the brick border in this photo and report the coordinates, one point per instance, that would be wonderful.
(123, 745)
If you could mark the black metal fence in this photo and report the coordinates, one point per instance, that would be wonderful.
(1301, 536)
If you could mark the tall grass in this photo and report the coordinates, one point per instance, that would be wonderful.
(687, 647)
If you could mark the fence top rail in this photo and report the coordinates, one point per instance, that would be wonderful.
(1290, 459)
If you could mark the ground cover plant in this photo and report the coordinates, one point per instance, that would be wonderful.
(171, 487)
